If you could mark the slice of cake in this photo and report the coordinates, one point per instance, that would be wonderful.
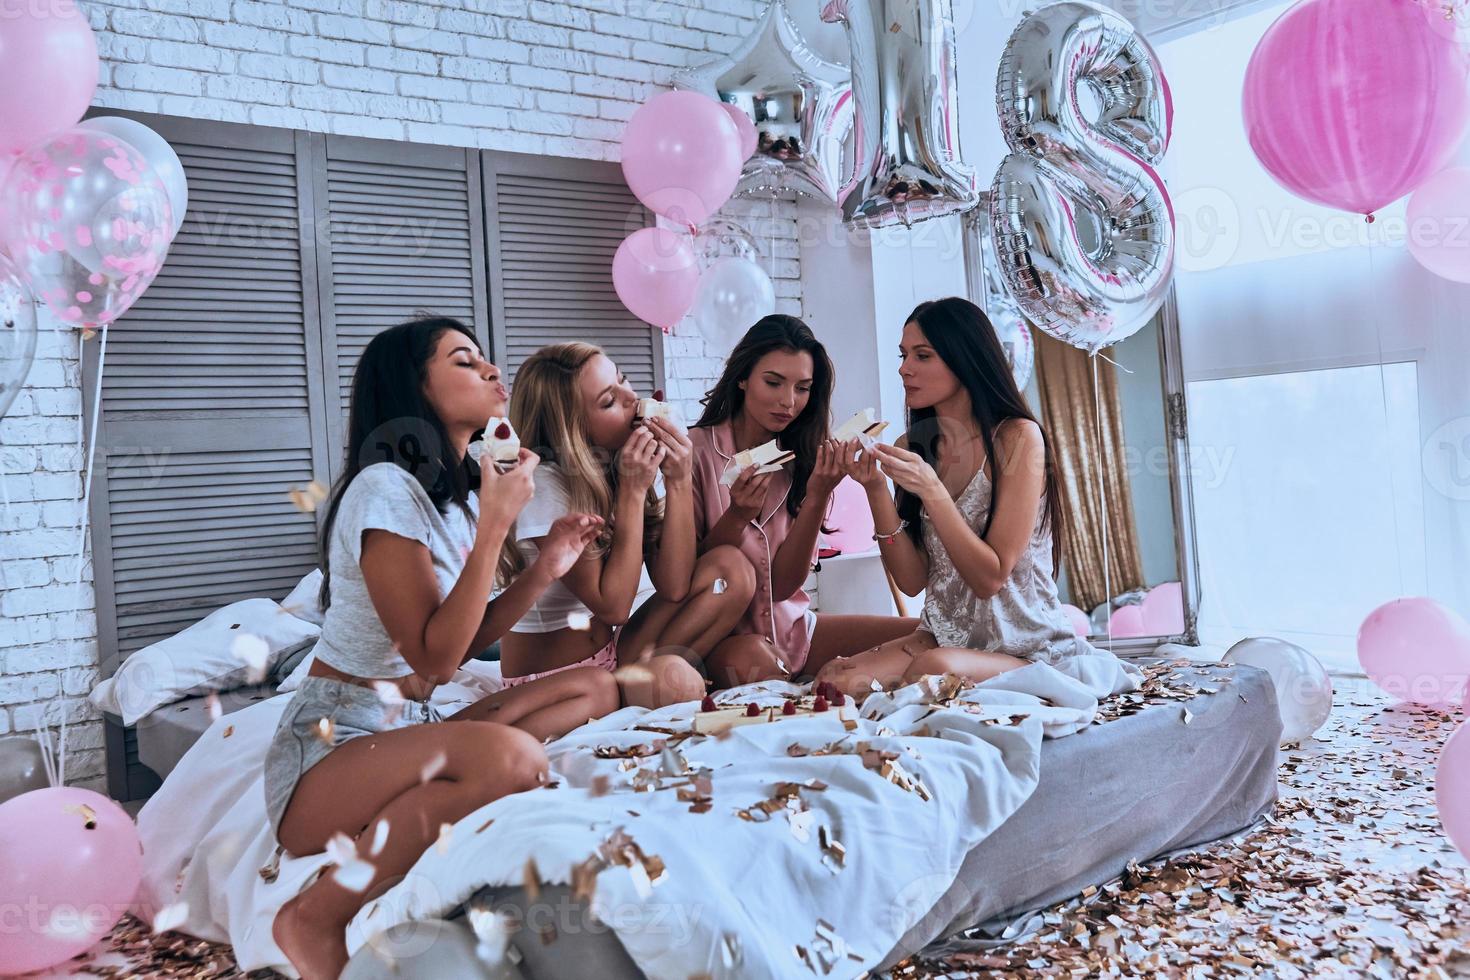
(722, 719)
(502, 445)
(767, 458)
(654, 408)
(863, 426)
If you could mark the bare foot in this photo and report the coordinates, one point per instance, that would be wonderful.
(316, 946)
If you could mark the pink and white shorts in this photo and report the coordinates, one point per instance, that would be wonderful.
(606, 658)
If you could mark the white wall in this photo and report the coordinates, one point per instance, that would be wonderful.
(534, 76)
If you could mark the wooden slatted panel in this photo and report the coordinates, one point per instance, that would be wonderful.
(405, 240)
(553, 235)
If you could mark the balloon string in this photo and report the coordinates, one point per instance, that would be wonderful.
(1102, 497)
(1114, 363)
(1393, 503)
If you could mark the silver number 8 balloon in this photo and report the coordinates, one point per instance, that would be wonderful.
(1083, 225)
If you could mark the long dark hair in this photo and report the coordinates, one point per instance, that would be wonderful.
(962, 336)
(806, 433)
(390, 421)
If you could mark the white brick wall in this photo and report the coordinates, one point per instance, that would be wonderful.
(534, 76)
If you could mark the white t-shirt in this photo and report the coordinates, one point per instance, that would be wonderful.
(558, 602)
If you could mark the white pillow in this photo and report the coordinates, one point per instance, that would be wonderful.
(203, 658)
(303, 601)
(293, 679)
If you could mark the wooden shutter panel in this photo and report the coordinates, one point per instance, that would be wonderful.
(400, 234)
(553, 225)
(211, 407)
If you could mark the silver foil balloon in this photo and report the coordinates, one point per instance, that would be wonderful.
(989, 291)
(906, 164)
(1083, 224)
(17, 332)
(800, 103)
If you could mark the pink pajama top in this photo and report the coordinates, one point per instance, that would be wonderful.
(787, 623)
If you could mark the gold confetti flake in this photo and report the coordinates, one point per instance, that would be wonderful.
(307, 498)
(88, 815)
(446, 835)
(579, 621)
(433, 768)
(254, 653)
(531, 880)
(229, 730)
(380, 838)
(325, 730)
(212, 706)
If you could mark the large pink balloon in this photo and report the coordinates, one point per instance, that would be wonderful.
(656, 275)
(1127, 622)
(1416, 650)
(744, 127)
(681, 156)
(1162, 610)
(89, 224)
(851, 520)
(70, 863)
(1081, 625)
(1452, 788)
(1354, 103)
(48, 71)
(1439, 224)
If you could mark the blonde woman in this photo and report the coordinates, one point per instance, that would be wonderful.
(576, 410)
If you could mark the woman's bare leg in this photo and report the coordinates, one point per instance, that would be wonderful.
(744, 659)
(886, 664)
(840, 635)
(692, 626)
(378, 780)
(659, 681)
(549, 707)
(972, 665)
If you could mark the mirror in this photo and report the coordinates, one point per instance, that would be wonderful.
(1116, 427)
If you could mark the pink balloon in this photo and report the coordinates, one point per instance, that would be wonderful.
(656, 275)
(1439, 224)
(1162, 610)
(1081, 625)
(851, 520)
(1416, 650)
(1127, 622)
(744, 127)
(1354, 103)
(48, 71)
(89, 224)
(1452, 788)
(70, 864)
(681, 156)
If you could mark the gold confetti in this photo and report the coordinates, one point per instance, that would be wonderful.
(212, 705)
(433, 768)
(446, 834)
(306, 499)
(531, 880)
(88, 815)
(579, 621)
(380, 838)
(325, 729)
(254, 653)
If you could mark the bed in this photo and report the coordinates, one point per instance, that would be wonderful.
(1031, 801)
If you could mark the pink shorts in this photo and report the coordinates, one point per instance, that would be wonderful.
(606, 658)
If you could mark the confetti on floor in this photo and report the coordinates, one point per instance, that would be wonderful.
(1351, 877)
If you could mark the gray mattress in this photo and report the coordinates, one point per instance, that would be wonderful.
(166, 734)
(1131, 789)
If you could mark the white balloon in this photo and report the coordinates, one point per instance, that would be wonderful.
(159, 155)
(733, 294)
(1303, 689)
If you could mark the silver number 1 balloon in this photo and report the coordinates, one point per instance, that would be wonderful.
(906, 164)
(1083, 225)
(800, 103)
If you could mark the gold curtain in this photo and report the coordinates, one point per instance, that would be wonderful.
(1064, 377)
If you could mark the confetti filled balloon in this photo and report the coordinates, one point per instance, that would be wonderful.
(88, 223)
(17, 333)
(1303, 689)
(22, 767)
(70, 864)
(160, 156)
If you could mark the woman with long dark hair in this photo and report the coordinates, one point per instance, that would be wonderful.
(777, 385)
(975, 516)
(409, 555)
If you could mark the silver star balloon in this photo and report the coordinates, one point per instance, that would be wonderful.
(800, 103)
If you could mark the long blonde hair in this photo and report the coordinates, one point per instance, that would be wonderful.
(549, 417)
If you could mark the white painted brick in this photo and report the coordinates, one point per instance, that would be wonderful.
(549, 12)
(29, 717)
(660, 54)
(713, 23)
(540, 122)
(327, 50)
(24, 631)
(24, 574)
(442, 134)
(150, 79)
(52, 656)
(279, 68)
(242, 38)
(222, 110)
(621, 26)
(348, 29)
(508, 96)
(18, 516)
(259, 91)
(78, 625)
(150, 24)
(80, 680)
(491, 23)
(547, 78)
(382, 129)
(4, 722)
(38, 543)
(19, 459)
(633, 71)
(603, 44)
(61, 457)
(476, 69)
(513, 142)
(421, 39)
(36, 601)
(46, 374)
(567, 105)
(37, 431)
(497, 49)
(577, 62)
(360, 79)
(573, 146)
(474, 116)
(24, 688)
(604, 130)
(400, 60)
(117, 48)
(274, 16)
(179, 54)
(445, 89)
(532, 33)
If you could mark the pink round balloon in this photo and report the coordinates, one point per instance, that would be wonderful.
(1081, 625)
(744, 127)
(851, 520)
(656, 275)
(1162, 610)
(1416, 650)
(1452, 788)
(1439, 224)
(1354, 103)
(681, 156)
(1127, 622)
(70, 864)
(48, 71)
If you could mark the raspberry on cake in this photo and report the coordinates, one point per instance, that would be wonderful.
(502, 444)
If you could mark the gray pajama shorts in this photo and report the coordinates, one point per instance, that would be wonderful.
(302, 739)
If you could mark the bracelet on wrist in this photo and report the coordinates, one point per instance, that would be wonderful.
(892, 535)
